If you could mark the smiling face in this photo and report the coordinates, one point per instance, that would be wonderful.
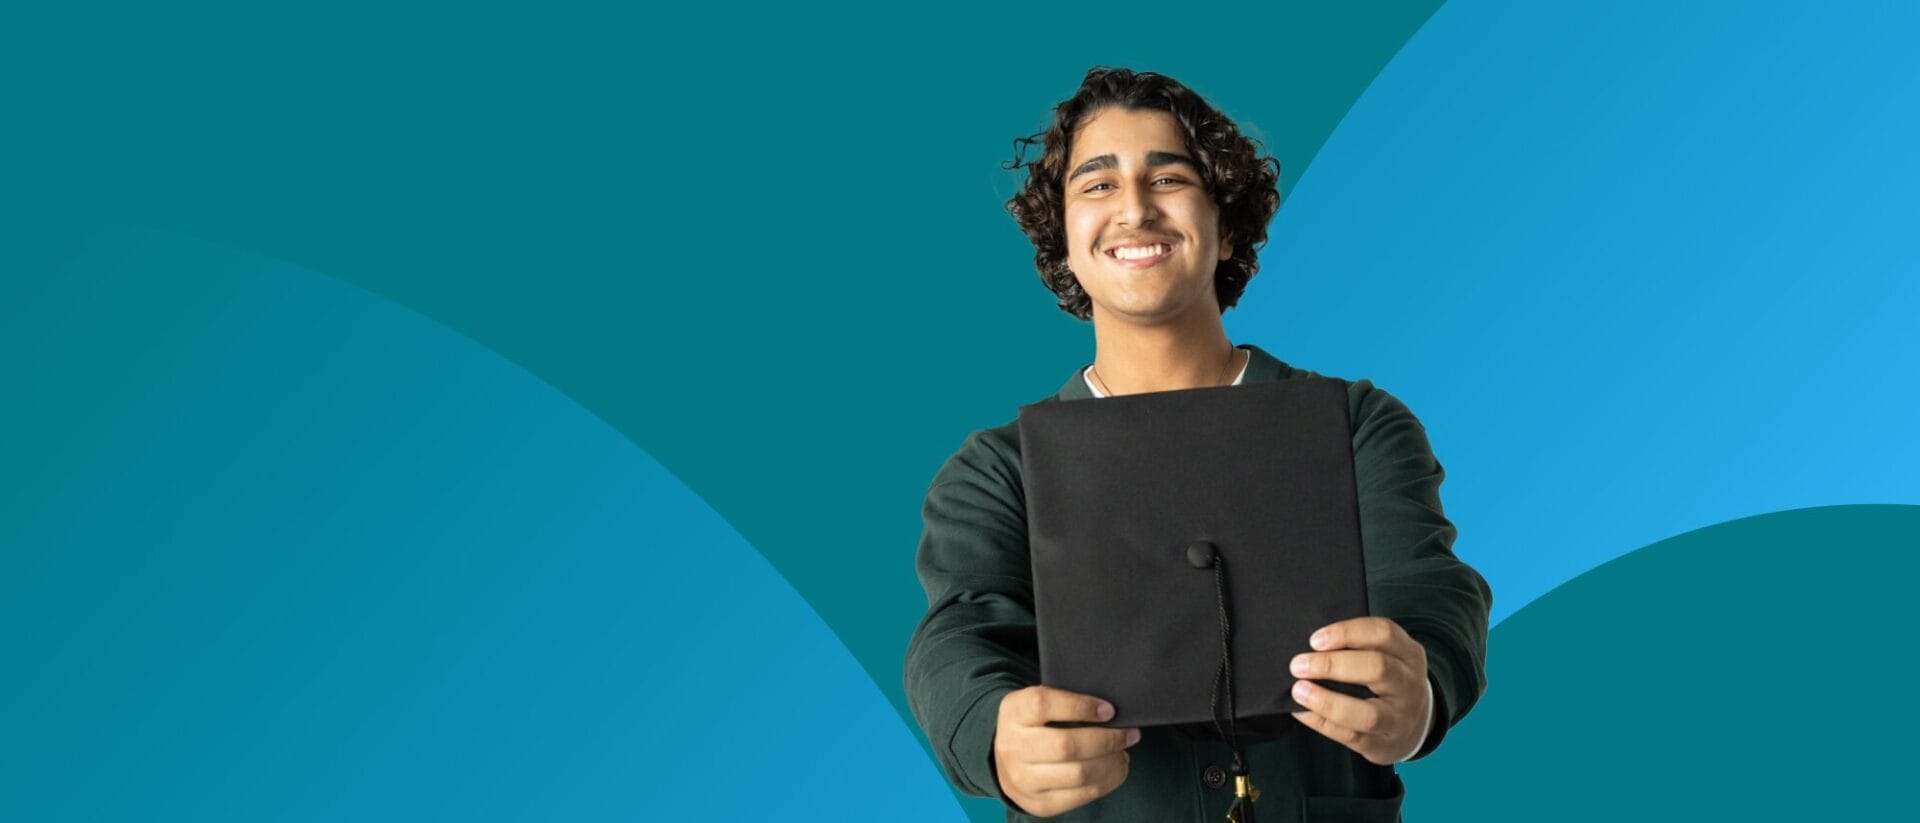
(1143, 234)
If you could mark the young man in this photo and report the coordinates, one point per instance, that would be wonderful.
(1146, 209)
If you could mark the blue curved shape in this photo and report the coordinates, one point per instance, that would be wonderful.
(276, 548)
(1639, 267)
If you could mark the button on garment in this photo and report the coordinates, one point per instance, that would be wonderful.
(1214, 777)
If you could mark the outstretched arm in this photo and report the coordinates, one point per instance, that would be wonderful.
(1435, 607)
(977, 642)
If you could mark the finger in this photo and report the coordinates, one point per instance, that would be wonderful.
(1364, 716)
(1359, 633)
(1099, 783)
(1363, 666)
(1376, 670)
(1327, 728)
(1365, 745)
(1043, 744)
(1099, 773)
(1039, 705)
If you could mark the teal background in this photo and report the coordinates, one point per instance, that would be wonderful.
(449, 412)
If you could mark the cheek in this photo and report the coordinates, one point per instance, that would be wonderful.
(1076, 223)
(1206, 230)
(1080, 235)
(1200, 213)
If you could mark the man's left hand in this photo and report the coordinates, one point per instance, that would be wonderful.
(1373, 652)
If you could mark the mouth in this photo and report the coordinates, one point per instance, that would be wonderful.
(1140, 255)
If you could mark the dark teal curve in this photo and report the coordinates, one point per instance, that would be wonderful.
(1752, 670)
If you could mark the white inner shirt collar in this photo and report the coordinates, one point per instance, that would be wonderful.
(1086, 374)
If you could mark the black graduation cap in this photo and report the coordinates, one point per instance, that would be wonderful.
(1186, 543)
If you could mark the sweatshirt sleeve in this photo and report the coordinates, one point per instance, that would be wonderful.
(1413, 576)
(977, 641)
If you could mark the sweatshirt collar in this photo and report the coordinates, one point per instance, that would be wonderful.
(1261, 368)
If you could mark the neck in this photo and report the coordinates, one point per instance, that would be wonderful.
(1133, 359)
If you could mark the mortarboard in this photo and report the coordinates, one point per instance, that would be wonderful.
(1186, 543)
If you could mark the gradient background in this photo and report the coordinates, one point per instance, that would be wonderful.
(458, 413)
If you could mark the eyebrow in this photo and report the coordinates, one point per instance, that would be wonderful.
(1154, 158)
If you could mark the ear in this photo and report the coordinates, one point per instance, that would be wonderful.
(1226, 246)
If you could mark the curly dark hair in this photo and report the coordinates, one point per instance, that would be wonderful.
(1244, 185)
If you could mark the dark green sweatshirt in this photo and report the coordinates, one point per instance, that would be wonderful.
(977, 641)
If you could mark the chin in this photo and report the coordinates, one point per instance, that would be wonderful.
(1157, 302)
(1145, 310)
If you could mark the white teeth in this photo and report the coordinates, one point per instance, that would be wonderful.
(1140, 252)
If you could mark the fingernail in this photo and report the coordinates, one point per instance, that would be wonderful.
(1298, 666)
(1301, 691)
(1321, 640)
(1133, 736)
(1105, 711)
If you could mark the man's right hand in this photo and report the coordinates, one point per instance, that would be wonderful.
(1051, 771)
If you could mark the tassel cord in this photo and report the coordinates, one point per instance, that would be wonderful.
(1223, 686)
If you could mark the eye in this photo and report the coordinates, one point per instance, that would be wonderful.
(1167, 179)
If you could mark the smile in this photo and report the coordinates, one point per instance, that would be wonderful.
(1140, 257)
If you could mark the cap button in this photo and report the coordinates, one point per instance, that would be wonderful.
(1200, 554)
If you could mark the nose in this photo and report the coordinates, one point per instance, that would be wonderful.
(1137, 207)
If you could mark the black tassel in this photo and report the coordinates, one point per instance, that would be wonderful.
(1203, 555)
(1244, 794)
(1241, 811)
